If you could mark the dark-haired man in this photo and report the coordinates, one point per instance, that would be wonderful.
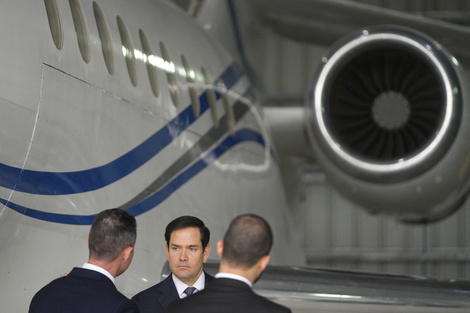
(91, 288)
(187, 248)
(245, 254)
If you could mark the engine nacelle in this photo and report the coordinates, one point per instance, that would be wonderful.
(388, 124)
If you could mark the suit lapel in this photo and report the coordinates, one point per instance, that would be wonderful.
(208, 279)
(168, 292)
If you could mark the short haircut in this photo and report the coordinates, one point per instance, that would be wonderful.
(112, 231)
(185, 222)
(247, 240)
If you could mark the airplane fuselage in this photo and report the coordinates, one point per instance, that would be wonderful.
(122, 104)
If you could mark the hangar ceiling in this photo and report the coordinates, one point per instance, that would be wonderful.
(452, 11)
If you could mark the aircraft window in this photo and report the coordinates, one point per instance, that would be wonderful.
(55, 24)
(192, 86)
(228, 108)
(211, 97)
(170, 70)
(128, 51)
(105, 38)
(80, 29)
(151, 68)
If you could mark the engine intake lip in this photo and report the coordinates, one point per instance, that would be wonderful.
(386, 104)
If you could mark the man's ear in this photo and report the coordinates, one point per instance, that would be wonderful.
(125, 259)
(207, 251)
(220, 247)
(127, 253)
(167, 252)
(263, 262)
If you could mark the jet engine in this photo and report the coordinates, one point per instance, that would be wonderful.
(388, 124)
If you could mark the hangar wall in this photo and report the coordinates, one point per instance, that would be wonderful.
(342, 235)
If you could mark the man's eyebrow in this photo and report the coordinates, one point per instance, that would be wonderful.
(191, 246)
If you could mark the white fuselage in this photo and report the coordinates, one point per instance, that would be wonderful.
(99, 103)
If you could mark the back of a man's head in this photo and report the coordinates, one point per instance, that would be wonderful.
(112, 231)
(247, 240)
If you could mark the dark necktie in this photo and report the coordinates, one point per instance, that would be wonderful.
(189, 291)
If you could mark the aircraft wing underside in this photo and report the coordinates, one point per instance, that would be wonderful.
(323, 22)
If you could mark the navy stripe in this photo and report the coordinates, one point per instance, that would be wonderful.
(213, 135)
(62, 183)
(159, 196)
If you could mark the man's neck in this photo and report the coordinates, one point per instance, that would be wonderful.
(110, 267)
(99, 269)
(247, 273)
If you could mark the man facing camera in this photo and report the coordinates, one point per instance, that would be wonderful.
(245, 254)
(187, 248)
(91, 288)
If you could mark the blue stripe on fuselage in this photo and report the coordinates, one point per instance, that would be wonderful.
(62, 183)
(156, 198)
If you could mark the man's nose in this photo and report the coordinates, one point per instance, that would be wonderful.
(183, 255)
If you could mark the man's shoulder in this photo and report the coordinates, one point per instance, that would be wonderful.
(66, 279)
(270, 306)
(210, 300)
(56, 284)
(163, 287)
(153, 289)
(91, 293)
(156, 298)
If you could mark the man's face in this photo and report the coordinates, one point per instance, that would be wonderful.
(185, 254)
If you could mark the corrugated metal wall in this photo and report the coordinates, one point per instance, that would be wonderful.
(339, 234)
(342, 235)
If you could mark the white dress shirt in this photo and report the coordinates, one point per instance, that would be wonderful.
(181, 287)
(101, 270)
(234, 276)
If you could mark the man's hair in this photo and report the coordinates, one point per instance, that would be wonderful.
(247, 240)
(112, 231)
(185, 222)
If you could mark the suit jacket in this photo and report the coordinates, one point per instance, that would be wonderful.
(225, 295)
(82, 290)
(156, 298)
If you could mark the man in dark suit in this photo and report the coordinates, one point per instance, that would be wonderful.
(187, 247)
(244, 251)
(91, 288)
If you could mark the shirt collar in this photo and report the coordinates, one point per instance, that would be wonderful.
(101, 270)
(234, 276)
(181, 287)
